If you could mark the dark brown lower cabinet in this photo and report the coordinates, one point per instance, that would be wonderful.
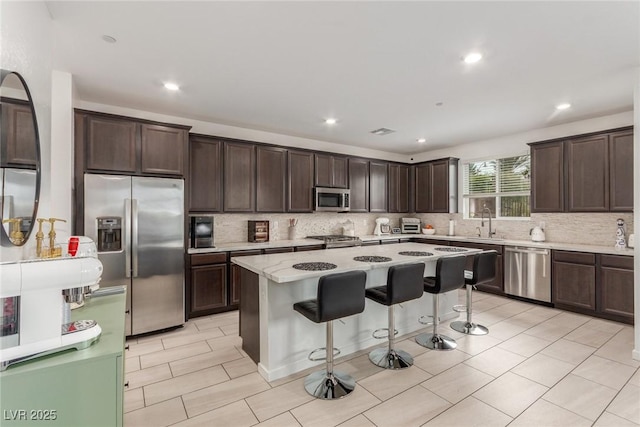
(208, 290)
(615, 293)
(595, 284)
(234, 276)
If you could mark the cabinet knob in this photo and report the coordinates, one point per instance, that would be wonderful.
(127, 311)
(126, 347)
(126, 384)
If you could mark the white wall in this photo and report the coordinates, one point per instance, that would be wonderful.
(512, 145)
(25, 47)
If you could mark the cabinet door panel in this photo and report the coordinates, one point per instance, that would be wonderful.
(423, 188)
(359, 185)
(339, 166)
(162, 149)
(616, 292)
(239, 177)
(547, 177)
(18, 135)
(574, 285)
(300, 195)
(378, 187)
(588, 174)
(205, 175)
(208, 287)
(323, 172)
(621, 171)
(398, 188)
(440, 186)
(271, 173)
(111, 144)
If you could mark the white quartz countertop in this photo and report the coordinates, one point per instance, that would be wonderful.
(239, 246)
(279, 267)
(547, 245)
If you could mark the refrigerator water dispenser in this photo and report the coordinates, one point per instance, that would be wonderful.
(109, 234)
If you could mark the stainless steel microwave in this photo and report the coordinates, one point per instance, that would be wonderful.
(331, 199)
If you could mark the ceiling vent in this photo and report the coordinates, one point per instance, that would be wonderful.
(382, 131)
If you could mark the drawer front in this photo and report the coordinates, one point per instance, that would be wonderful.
(431, 241)
(245, 253)
(278, 250)
(574, 257)
(617, 261)
(203, 259)
(309, 248)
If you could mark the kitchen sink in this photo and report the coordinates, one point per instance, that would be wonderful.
(485, 239)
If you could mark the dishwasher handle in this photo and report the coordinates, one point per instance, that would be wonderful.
(527, 250)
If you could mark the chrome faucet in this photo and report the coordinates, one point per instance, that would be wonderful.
(485, 208)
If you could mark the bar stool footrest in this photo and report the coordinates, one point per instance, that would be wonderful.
(336, 352)
(422, 320)
(376, 333)
(460, 308)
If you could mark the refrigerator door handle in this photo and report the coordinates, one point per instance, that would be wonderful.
(127, 238)
(134, 235)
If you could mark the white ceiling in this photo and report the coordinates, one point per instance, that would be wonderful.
(286, 66)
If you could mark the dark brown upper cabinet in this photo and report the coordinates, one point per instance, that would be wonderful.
(109, 143)
(330, 171)
(547, 177)
(398, 188)
(359, 185)
(239, 177)
(18, 135)
(205, 174)
(436, 186)
(588, 174)
(621, 171)
(271, 174)
(378, 200)
(162, 149)
(300, 181)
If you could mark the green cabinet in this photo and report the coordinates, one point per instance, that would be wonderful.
(73, 388)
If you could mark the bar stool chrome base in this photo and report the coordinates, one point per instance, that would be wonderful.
(326, 386)
(391, 359)
(436, 341)
(469, 328)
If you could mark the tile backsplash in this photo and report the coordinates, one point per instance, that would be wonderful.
(579, 228)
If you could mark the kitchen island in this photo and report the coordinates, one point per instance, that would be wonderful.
(279, 339)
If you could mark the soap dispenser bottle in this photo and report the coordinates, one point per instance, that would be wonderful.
(15, 235)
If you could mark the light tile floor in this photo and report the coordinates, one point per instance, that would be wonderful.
(537, 367)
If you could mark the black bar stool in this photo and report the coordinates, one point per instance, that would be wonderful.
(484, 270)
(404, 283)
(449, 276)
(339, 295)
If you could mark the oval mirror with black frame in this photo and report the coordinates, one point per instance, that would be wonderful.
(19, 160)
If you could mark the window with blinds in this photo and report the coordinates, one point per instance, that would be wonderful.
(502, 185)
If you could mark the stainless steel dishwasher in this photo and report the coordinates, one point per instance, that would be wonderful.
(528, 272)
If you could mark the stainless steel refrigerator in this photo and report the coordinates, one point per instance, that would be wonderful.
(138, 226)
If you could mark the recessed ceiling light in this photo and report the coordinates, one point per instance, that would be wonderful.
(109, 39)
(330, 121)
(421, 140)
(472, 58)
(439, 104)
(171, 86)
(563, 106)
